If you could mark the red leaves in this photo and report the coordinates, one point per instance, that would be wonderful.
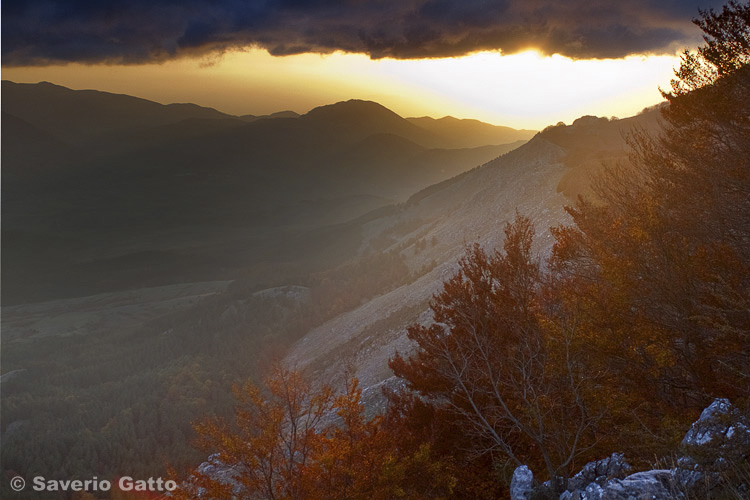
(285, 445)
(498, 356)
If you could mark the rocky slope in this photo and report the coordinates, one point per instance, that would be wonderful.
(433, 228)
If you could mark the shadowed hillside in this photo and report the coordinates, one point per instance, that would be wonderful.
(133, 193)
(153, 255)
(84, 116)
(196, 250)
(470, 133)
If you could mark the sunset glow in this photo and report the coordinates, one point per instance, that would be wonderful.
(525, 90)
(375, 249)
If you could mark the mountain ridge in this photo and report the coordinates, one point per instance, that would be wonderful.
(140, 180)
(85, 116)
(470, 132)
(538, 179)
(166, 254)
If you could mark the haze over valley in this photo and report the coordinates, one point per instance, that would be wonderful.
(174, 228)
(342, 297)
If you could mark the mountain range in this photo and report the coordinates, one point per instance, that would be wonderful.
(154, 254)
(126, 174)
(537, 179)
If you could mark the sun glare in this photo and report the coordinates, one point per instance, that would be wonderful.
(532, 90)
(525, 90)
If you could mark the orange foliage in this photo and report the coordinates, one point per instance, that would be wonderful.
(663, 257)
(506, 355)
(283, 446)
(639, 318)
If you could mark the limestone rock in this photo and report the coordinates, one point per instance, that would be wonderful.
(600, 471)
(649, 485)
(718, 439)
(721, 434)
(522, 483)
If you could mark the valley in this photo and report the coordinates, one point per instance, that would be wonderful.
(138, 240)
(424, 250)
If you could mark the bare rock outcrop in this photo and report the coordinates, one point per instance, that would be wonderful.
(522, 483)
(714, 444)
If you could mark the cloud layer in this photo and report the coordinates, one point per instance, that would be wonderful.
(136, 31)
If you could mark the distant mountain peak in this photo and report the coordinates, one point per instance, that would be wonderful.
(461, 132)
(85, 116)
(357, 118)
(351, 108)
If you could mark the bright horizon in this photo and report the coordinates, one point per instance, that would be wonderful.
(525, 90)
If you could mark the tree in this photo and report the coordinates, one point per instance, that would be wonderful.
(727, 49)
(443, 466)
(293, 442)
(360, 459)
(266, 453)
(351, 456)
(663, 253)
(504, 360)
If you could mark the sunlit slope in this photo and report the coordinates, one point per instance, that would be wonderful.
(431, 231)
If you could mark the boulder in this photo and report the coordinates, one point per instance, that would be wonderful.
(649, 485)
(716, 441)
(592, 492)
(522, 483)
(719, 438)
(600, 471)
(721, 435)
(219, 471)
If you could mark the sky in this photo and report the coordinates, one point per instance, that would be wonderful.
(521, 63)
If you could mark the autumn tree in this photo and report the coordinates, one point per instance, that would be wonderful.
(351, 454)
(726, 49)
(360, 458)
(433, 435)
(268, 449)
(291, 441)
(505, 360)
(663, 253)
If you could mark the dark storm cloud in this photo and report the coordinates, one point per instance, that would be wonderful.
(130, 31)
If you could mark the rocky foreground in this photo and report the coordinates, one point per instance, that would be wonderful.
(710, 462)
